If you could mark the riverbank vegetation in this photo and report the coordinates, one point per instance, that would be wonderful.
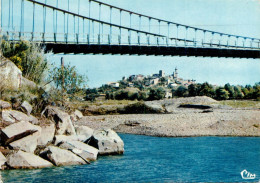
(226, 92)
(48, 83)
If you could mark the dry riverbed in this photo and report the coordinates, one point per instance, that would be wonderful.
(217, 120)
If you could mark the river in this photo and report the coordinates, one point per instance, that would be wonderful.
(160, 159)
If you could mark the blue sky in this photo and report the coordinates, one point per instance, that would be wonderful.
(239, 17)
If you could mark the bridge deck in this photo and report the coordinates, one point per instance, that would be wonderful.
(150, 50)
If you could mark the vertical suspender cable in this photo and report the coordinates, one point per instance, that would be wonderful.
(1, 15)
(68, 20)
(44, 20)
(93, 24)
(89, 8)
(53, 23)
(110, 34)
(129, 38)
(21, 22)
(168, 34)
(186, 34)
(195, 39)
(120, 29)
(56, 26)
(64, 25)
(12, 14)
(99, 18)
(212, 38)
(140, 19)
(33, 21)
(77, 35)
(9, 15)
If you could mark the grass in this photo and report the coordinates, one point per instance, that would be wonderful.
(241, 103)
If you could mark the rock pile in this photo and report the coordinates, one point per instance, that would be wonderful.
(52, 140)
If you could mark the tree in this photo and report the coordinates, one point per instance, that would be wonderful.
(206, 90)
(68, 78)
(193, 90)
(181, 92)
(238, 94)
(91, 94)
(230, 90)
(222, 94)
(156, 94)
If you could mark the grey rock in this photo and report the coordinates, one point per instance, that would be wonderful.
(86, 152)
(64, 138)
(33, 120)
(5, 105)
(107, 142)
(27, 83)
(47, 134)
(76, 115)
(25, 160)
(62, 120)
(13, 116)
(2, 160)
(28, 143)
(26, 107)
(84, 133)
(10, 75)
(17, 131)
(61, 157)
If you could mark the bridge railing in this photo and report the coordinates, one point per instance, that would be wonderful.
(45, 21)
(107, 39)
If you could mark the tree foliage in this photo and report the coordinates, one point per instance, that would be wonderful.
(68, 78)
(29, 57)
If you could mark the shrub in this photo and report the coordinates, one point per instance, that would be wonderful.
(28, 56)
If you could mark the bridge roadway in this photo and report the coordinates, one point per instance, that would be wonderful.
(150, 50)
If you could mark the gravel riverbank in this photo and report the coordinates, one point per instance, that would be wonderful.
(183, 122)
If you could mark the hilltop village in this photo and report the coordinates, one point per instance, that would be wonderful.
(140, 87)
(158, 79)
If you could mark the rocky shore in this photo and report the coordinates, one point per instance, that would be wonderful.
(53, 139)
(183, 117)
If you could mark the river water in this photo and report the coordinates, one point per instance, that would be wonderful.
(160, 159)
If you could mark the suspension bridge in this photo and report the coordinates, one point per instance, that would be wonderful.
(94, 27)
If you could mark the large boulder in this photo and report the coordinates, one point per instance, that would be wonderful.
(63, 122)
(84, 133)
(2, 160)
(10, 75)
(25, 160)
(5, 105)
(64, 138)
(61, 157)
(86, 152)
(107, 142)
(17, 131)
(26, 107)
(27, 83)
(28, 143)
(47, 134)
(76, 115)
(12, 116)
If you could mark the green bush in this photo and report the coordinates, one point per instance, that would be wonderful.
(29, 57)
